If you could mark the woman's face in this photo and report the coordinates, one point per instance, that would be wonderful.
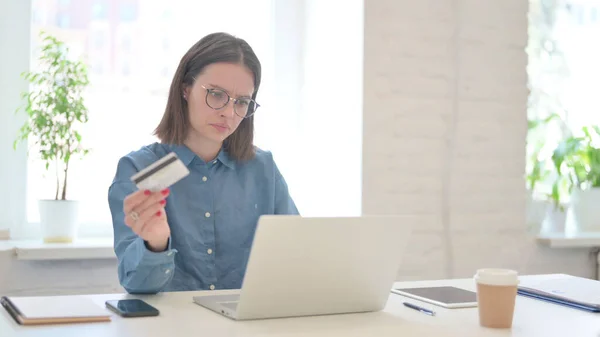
(208, 124)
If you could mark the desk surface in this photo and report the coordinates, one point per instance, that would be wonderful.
(181, 317)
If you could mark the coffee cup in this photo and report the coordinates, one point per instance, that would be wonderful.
(496, 295)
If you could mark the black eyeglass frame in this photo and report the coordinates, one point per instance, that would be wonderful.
(229, 98)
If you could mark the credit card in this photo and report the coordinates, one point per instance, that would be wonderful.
(161, 174)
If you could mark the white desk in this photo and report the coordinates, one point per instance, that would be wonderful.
(181, 317)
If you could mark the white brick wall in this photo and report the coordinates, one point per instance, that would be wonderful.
(445, 93)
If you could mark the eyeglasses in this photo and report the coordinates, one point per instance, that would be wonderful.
(217, 99)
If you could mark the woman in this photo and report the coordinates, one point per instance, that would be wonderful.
(197, 234)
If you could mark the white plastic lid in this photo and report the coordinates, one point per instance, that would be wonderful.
(497, 277)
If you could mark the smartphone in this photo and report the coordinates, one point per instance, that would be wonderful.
(131, 308)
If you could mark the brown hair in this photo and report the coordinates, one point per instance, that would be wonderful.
(213, 48)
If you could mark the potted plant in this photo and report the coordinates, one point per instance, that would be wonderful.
(539, 173)
(55, 110)
(577, 161)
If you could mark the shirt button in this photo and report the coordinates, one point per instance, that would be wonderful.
(214, 162)
(209, 251)
(212, 287)
(207, 214)
(169, 253)
(204, 179)
(167, 271)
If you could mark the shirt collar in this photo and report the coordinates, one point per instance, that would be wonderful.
(184, 153)
(187, 156)
(225, 159)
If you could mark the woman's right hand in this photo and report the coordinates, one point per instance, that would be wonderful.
(145, 215)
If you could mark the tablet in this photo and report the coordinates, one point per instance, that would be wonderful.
(447, 297)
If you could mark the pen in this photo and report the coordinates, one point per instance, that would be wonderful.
(418, 308)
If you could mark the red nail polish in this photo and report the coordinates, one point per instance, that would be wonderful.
(147, 192)
(165, 192)
(162, 202)
(158, 213)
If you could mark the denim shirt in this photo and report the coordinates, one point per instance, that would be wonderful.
(212, 214)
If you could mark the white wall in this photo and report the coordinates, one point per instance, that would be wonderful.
(57, 277)
(445, 94)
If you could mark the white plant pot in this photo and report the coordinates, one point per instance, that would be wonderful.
(536, 211)
(59, 219)
(585, 210)
(555, 220)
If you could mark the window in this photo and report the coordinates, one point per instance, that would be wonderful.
(128, 12)
(125, 69)
(126, 44)
(98, 42)
(115, 126)
(99, 10)
(63, 20)
(314, 135)
(563, 70)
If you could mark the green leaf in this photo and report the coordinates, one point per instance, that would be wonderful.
(555, 195)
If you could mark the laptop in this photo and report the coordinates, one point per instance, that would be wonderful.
(571, 291)
(303, 266)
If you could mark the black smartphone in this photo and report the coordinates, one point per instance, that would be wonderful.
(132, 308)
